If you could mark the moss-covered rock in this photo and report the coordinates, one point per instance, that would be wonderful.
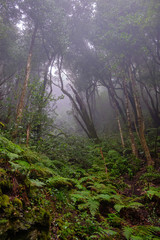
(4, 201)
(16, 201)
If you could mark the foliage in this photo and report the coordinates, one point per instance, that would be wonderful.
(141, 232)
(153, 192)
(88, 205)
(9, 146)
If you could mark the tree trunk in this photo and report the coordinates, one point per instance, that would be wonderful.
(133, 144)
(28, 134)
(120, 131)
(27, 75)
(87, 125)
(43, 99)
(119, 124)
(141, 126)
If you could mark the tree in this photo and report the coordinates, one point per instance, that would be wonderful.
(86, 120)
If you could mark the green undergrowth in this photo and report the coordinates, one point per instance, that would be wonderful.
(66, 197)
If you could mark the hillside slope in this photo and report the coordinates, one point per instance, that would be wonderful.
(38, 202)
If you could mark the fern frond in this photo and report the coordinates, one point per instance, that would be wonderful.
(36, 183)
(60, 182)
(20, 167)
(87, 179)
(118, 207)
(23, 164)
(8, 154)
(80, 196)
(9, 146)
(127, 232)
(151, 193)
(134, 205)
(91, 204)
(101, 197)
(136, 238)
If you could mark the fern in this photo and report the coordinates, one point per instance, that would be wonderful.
(87, 179)
(86, 201)
(23, 164)
(127, 232)
(153, 192)
(80, 196)
(134, 205)
(9, 146)
(151, 176)
(19, 167)
(118, 207)
(8, 154)
(104, 197)
(97, 187)
(92, 205)
(60, 182)
(102, 233)
(110, 189)
(31, 156)
(42, 171)
(136, 238)
(140, 232)
(36, 183)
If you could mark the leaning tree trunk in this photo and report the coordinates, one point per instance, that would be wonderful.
(141, 126)
(25, 85)
(86, 121)
(85, 117)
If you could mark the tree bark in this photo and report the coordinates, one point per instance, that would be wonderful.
(119, 124)
(27, 75)
(133, 144)
(28, 134)
(141, 126)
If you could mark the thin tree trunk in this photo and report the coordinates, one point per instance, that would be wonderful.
(119, 123)
(141, 125)
(28, 134)
(135, 125)
(120, 131)
(27, 75)
(133, 144)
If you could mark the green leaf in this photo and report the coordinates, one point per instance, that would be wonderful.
(118, 207)
(24, 164)
(93, 206)
(36, 183)
(127, 232)
(103, 197)
(136, 238)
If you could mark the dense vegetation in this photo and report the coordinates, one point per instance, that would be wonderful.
(96, 173)
(71, 196)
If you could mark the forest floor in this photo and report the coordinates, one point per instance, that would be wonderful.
(38, 202)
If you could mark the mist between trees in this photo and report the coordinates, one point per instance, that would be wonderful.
(99, 61)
